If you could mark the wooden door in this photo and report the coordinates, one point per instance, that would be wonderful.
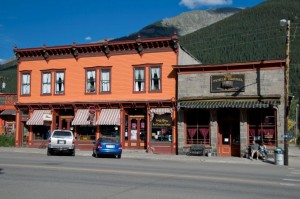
(229, 132)
(137, 132)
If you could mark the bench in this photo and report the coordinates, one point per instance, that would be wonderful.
(198, 150)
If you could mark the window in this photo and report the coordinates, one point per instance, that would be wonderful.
(46, 83)
(197, 127)
(25, 90)
(91, 81)
(139, 79)
(59, 83)
(85, 133)
(105, 80)
(262, 126)
(155, 82)
(161, 128)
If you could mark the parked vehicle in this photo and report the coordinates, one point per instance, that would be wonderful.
(107, 146)
(61, 141)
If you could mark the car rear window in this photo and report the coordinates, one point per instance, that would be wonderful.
(108, 140)
(61, 134)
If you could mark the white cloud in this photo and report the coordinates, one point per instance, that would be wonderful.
(88, 38)
(199, 3)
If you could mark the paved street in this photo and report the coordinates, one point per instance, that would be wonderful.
(30, 173)
(294, 156)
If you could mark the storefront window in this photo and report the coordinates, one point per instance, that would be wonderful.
(86, 133)
(39, 132)
(197, 127)
(161, 128)
(262, 126)
(110, 131)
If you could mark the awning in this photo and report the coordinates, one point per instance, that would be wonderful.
(37, 117)
(229, 104)
(160, 111)
(109, 117)
(8, 112)
(81, 117)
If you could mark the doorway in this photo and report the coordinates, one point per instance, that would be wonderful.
(229, 132)
(137, 132)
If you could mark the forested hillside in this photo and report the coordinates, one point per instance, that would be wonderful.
(8, 72)
(251, 35)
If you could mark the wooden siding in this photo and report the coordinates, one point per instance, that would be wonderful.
(121, 78)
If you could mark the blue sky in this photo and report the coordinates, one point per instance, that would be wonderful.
(33, 23)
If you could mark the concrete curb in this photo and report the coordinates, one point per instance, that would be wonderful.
(136, 154)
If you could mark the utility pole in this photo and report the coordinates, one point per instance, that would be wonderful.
(286, 23)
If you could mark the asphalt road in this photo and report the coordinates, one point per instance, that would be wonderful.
(37, 176)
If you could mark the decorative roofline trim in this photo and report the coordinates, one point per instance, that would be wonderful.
(105, 48)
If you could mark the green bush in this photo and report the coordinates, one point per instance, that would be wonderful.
(7, 140)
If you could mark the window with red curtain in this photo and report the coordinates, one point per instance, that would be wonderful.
(262, 126)
(197, 126)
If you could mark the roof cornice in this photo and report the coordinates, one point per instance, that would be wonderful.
(104, 48)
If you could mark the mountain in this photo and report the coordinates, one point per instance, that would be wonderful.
(184, 23)
(251, 35)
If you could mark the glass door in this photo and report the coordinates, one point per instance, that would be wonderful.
(137, 132)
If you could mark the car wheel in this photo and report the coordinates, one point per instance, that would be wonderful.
(118, 156)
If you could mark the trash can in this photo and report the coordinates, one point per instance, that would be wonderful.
(278, 155)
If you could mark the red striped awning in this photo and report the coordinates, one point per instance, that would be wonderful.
(81, 117)
(109, 117)
(37, 117)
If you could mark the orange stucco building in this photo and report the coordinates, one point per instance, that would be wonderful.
(125, 89)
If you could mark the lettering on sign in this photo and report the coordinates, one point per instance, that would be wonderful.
(227, 83)
(162, 121)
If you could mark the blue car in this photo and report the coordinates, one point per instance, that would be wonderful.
(107, 146)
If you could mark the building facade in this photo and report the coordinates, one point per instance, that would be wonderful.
(123, 89)
(7, 114)
(227, 106)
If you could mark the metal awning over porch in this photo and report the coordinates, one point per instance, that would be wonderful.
(229, 104)
(109, 117)
(8, 112)
(81, 117)
(37, 117)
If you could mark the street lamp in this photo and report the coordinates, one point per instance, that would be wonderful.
(287, 23)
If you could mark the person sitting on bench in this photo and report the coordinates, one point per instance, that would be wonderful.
(254, 149)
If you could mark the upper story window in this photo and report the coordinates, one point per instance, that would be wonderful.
(105, 80)
(25, 87)
(155, 78)
(91, 81)
(139, 79)
(46, 83)
(59, 83)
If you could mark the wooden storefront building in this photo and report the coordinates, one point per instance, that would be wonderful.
(124, 89)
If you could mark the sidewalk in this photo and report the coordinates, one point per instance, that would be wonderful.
(294, 156)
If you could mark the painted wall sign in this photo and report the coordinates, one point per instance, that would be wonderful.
(227, 83)
(162, 121)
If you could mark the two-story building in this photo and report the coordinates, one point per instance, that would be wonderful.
(227, 106)
(124, 89)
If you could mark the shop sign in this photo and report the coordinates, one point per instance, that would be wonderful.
(47, 117)
(162, 121)
(227, 83)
